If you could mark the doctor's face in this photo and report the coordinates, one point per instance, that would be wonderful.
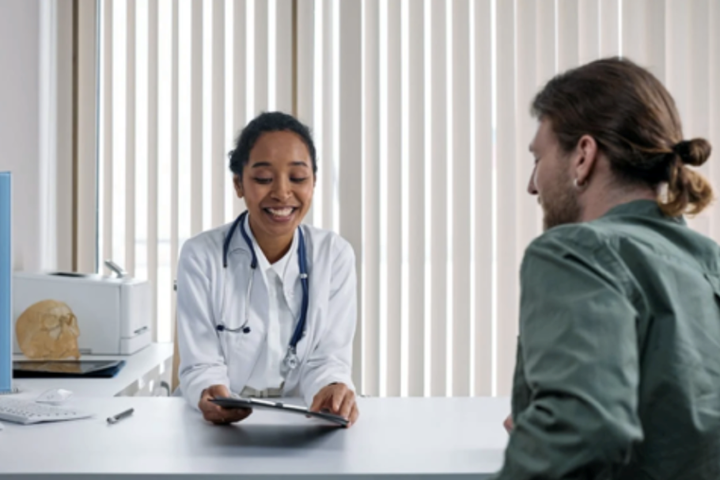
(277, 185)
(551, 179)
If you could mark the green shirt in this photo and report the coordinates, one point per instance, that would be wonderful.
(618, 359)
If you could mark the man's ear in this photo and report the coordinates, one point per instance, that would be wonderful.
(237, 183)
(584, 159)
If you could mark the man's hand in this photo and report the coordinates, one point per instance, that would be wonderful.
(508, 424)
(217, 414)
(338, 399)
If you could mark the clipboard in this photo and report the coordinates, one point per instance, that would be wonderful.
(256, 403)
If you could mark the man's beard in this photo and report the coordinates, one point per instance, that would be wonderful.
(560, 206)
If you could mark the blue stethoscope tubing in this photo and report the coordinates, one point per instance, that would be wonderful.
(239, 224)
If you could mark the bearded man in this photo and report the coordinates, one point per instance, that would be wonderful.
(618, 362)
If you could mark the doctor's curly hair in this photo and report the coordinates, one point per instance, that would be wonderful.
(264, 123)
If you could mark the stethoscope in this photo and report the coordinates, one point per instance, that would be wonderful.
(291, 359)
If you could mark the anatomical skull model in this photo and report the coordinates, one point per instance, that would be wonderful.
(48, 330)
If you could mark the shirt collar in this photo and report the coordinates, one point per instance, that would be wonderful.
(279, 267)
(643, 208)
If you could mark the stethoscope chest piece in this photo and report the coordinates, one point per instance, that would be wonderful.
(291, 360)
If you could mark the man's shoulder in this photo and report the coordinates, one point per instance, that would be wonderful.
(583, 236)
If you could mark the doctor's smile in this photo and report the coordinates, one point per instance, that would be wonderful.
(280, 214)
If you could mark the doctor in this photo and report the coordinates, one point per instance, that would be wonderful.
(267, 306)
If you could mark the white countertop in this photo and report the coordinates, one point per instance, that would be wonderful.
(394, 438)
(136, 367)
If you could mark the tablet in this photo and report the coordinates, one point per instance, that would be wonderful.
(256, 403)
(67, 368)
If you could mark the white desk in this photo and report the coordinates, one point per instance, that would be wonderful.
(138, 377)
(394, 438)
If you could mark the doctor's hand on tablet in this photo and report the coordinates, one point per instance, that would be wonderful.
(217, 414)
(336, 398)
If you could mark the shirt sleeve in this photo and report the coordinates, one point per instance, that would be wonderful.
(202, 363)
(331, 361)
(579, 349)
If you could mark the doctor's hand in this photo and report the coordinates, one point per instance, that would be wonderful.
(338, 399)
(217, 414)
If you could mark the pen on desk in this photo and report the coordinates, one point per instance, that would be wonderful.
(120, 416)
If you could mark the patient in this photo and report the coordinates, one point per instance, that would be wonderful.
(618, 361)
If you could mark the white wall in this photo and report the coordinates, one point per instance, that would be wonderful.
(20, 124)
(36, 130)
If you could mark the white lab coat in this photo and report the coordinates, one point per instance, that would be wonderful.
(209, 357)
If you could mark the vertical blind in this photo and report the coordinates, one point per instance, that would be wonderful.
(420, 113)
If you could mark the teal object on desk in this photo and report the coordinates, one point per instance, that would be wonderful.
(5, 284)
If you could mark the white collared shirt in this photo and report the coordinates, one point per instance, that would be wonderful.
(283, 314)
